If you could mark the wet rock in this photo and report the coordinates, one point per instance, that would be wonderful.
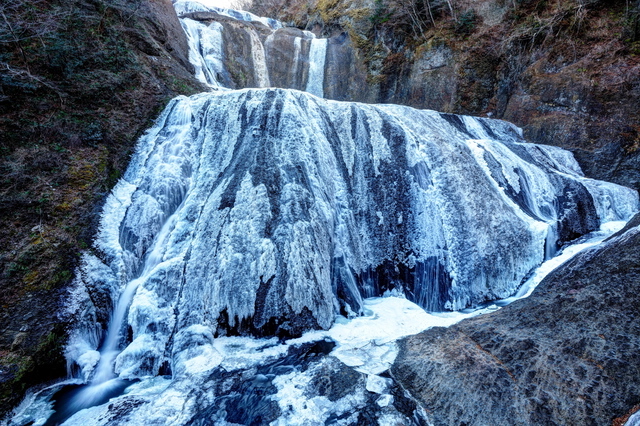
(335, 380)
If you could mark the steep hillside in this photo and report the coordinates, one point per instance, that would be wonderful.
(79, 81)
(568, 72)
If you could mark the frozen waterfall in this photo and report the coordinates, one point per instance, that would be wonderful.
(205, 50)
(231, 49)
(272, 212)
(317, 56)
(278, 211)
(255, 231)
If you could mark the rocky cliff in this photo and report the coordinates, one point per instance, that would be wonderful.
(565, 355)
(79, 81)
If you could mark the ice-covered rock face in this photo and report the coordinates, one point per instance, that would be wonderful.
(267, 212)
(238, 54)
(192, 6)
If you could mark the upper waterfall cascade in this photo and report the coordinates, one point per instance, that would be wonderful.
(271, 212)
(236, 50)
(192, 6)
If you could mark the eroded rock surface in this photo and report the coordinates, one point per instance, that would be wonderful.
(95, 75)
(565, 355)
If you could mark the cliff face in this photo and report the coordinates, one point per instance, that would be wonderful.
(79, 81)
(565, 355)
(565, 71)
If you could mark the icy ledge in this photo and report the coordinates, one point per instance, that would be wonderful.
(274, 212)
(191, 6)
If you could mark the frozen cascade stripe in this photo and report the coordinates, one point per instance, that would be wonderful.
(317, 57)
(205, 50)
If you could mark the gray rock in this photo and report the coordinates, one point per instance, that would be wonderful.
(566, 355)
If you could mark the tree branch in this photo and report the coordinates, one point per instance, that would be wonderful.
(16, 40)
(27, 73)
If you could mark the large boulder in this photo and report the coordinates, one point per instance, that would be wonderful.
(568, 354)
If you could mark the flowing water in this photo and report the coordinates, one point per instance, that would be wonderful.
(297, 58)
(205, 50)
(317, 56)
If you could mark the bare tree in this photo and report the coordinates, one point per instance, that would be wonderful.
(453, 14)
(421, 14)
(270, 8)
(26, 25)
(427, 4)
